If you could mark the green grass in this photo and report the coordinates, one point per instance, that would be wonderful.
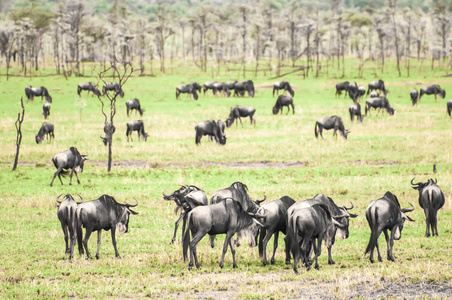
(384, 153)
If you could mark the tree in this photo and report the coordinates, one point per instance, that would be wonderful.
(392, 4)
(8, 37)
(20, 120)
(162, 30)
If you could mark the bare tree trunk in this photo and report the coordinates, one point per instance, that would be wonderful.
(20, 119)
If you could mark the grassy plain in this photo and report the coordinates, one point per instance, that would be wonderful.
(383, 153)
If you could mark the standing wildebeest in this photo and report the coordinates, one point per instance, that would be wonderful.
(113, 86)
(342, 86)
(31, 92)
(69, 159)
(414, 95)
(90, 87)
(355, 110)
(433, 89)
(134, 104)
(333, 122)
(380, 102)
(431, 199)
(231, 85)
(281, 102)
(226, 217)
(221, 88)
(283, 85)
(353, 91)
(137, 126)
(46, 110)
(382, 215)
(377, 85)
(240, 111)
(189, 89)
(208, 86)
(273, 221)
(211, 128)
(360, 93)
(449, 107)
(186, 198)
(46, 130)
(103, 213)
(341, 213)
(66, 215)
(244, 86)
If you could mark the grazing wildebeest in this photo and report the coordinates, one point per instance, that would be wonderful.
(226, 217)
(109, 129)
(46, 110)
(281, 102)
(222, 125)
(137, 126)
(377, 85)
(283, 85)
(333, 122)
(90, 87)
(449, 107)
(189, 89)
(355, 110)
(134, 104)
(221, 88)
(211, 128)
(307, 228)
(414, 95)
(66, 215)
(244, 86)
(382, 215)
(353, 91)
(380, 102)
(186, 198)
(113, 86)
(273, 221)
(360, 93)
(240, 111)
(374, 94)
(103, 213)
(47, 131)
(231, 85)
(433, 89)
(342, 86)
(431, 199)
(69, 159)
(31, 92)
(208, 86)
(340, 213)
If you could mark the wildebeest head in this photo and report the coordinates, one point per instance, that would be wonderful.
(123, 219)
(442, 93)
(79, 168)
(403, 217)
(275, 110)
(390, 110)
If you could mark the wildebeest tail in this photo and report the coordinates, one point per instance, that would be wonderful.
(262, 234)
(374, 233)
(315, 130)
(78, 227)
(186, 240)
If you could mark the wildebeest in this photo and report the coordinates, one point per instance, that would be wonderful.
(414, 95)
(281, 102)
(433, 89)
(382, 215)
(377, 85)
(231, 85)
(240, 111)
(103, 213)
(222, 125)
(431, 199)
(374, 94)
(333, 122)
(244, 86)
(189, 89)
(353, 91)
(31, 92)
(113, 86)
(47, 131)
(109, 129)
(361, 92)
(46, 110)
(89, 86)
(66, 215)
(138, 126)
(283, 85)
(449, 107)
(380, 102)
(211, 128)
(273, 221)
(221, 88)
(342, 86)
(307, 227)
(69, 159)
(355, 110)
(208, 86)
(134, 104)
(340, 213)
(186, 198)
(226, 217)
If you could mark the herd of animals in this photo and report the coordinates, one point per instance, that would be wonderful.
(305, 224)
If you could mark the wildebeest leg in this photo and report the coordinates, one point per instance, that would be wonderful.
(113, 240)
(194, 241)
(231, 244)
(240, 119)
(225, 248)
(85, 241)
(76, 175)
(212, 241)
(98, 242)
(64, 227)
(176, 225)
(427, 222)
(317, 251)
(262, 234)
(287, 249)
(293, 109)
(275, 245)
(54, 175)
(268, 235)
(198, 138)
(390, 243)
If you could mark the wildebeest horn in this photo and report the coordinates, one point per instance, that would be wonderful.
(256, 215)
(436, 180)
(405, 210)
(80, 198)
(338, 224)
(165, 196)
(347, 208)
(258, 202)
(131, 205)
(58, 198)
(415, 185)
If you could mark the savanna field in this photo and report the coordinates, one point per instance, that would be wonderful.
(279, 156)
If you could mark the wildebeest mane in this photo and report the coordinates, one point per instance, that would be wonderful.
(111, 204)
(393, 198)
